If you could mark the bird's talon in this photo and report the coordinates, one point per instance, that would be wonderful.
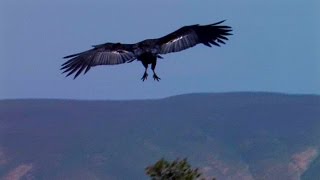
(144, 77)
(156, 78)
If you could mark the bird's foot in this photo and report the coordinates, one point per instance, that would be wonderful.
(156, 78)
(144, 77)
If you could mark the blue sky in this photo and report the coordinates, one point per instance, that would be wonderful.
(275, 47)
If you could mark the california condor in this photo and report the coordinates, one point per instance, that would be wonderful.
(146, 51)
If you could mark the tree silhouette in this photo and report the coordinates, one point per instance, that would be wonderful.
(175, 170)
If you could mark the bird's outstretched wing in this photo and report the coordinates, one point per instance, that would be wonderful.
(103, 54)
(189, 36)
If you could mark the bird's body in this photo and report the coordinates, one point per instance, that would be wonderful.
(146, 51)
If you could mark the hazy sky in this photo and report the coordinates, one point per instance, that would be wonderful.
(275, 47)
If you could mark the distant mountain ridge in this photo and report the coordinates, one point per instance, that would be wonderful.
(229, 135)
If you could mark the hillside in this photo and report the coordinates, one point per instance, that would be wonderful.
(229, 135)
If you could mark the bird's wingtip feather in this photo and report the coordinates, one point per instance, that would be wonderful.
(218, 22)
(70, 56)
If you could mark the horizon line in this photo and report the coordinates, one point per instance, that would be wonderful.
(165, 97)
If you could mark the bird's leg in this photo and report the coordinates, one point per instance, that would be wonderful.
(153, 67)
(145, 75)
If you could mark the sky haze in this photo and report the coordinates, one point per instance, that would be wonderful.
(275, 47)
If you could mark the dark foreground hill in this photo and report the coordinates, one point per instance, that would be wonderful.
(238, 136)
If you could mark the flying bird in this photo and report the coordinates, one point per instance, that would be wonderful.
(146, 51)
